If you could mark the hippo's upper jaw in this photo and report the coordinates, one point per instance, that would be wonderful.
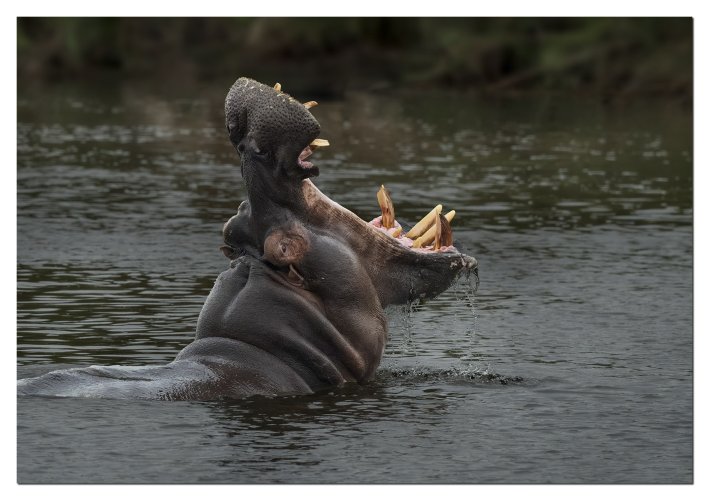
(271, 131)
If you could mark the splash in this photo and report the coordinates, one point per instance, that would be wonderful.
(465, 292)
(417, 375)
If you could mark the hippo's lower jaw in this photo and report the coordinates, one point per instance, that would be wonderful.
(399, 274)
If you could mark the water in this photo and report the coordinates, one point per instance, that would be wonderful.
(571, 363)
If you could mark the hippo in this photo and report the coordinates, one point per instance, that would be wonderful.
(300, 307)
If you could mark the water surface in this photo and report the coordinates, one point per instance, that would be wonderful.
(571, 363)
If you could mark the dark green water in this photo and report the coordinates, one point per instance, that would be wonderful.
(572, 362)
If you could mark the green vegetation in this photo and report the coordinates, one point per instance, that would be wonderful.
(608, 56)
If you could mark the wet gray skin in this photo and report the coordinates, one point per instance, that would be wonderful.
(300, 308)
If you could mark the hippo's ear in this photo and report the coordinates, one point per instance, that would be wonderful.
(283, 248)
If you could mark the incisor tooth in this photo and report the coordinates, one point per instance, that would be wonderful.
(277, 86)
(424, 223)
(319, 143)
(310, 104)
(429, 236)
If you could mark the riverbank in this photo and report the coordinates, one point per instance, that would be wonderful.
(611, 58)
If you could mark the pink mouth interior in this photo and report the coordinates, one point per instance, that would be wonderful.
(403, 240)
(303, 155)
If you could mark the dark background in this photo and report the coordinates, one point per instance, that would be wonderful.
(609, 58)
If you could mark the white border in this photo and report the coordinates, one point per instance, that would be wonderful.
(321, 8)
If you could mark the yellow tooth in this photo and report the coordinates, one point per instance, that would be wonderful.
(424, 223)
(430, 235)
(437, 235)
(319, 143)
(396, 232)
(387, 207)
(310, 104)
(277, 86)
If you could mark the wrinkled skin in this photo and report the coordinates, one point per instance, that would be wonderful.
(300, 308)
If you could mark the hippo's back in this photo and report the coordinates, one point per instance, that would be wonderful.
(207, 369)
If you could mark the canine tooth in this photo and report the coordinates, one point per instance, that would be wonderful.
(310, 104)
(430, 235)
(319, 143)
(421, 226)
(277, 86)
(444, 234)
(387, 207)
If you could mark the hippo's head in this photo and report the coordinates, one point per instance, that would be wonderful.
(272, 133)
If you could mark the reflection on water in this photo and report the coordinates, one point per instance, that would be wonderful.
(571, 363)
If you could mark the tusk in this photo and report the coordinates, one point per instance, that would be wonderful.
(310, 104)
(387, 207)
(277, 86)
(424, 223)
(430, 235)
(444, 234)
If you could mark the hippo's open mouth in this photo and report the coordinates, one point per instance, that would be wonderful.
(431, 234)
